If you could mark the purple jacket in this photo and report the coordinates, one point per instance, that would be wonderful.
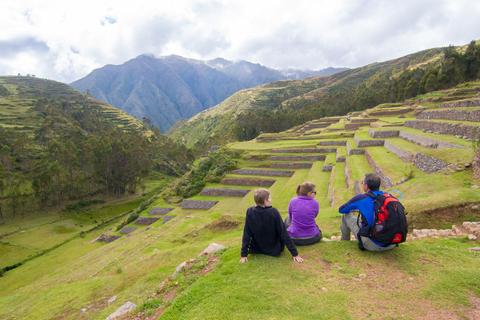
(302, 211)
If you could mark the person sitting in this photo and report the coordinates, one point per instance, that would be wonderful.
(264, 231)
(302, 211)
(365, 205)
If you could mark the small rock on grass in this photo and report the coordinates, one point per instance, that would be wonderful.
(474, 249)
(212, 248)
(123, 310)
(112, 300)
(472, 237)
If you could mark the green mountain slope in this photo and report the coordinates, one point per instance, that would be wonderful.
(423, 150)
(59, 145)
(278, 106)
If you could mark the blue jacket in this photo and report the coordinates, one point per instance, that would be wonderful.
(364, 204)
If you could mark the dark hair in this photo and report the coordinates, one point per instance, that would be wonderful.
(298, 190)
(305, 188)
(372, 181)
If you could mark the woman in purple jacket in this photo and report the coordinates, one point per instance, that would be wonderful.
(302, 211)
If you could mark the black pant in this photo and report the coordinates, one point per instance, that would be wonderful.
(307, 241)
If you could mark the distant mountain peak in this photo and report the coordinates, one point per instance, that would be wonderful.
(170, 88)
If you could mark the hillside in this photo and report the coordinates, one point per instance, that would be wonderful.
(423, 148)
(58, 145)
(280, 105)
(171, 88)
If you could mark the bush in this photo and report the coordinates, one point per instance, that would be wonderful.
(82, 204)
(208, 169)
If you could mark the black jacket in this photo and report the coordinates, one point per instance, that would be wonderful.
(265, 232)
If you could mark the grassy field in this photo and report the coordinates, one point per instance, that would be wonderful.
(422, 279)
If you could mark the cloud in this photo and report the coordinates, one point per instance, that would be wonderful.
(19, 45)
(66, 40)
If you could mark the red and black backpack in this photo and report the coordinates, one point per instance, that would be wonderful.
(390, 220)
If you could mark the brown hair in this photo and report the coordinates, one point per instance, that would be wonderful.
(260, 196)
(306, 188)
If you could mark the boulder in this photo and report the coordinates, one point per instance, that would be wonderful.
(212, 248)
(127, 307)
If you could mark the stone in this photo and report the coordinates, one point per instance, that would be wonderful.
(291, 165)
(160, 211)
(126, 308)
(273, 173)
(475, 186)
(476, 249)
(127, 229)
(475, 207)
(107, 238)
(167, 218)
(146, 220)
(472, 237)
(83, 310)
(197, 204)
(324, 289)
(212, 248)
(224, 192)
(248, 182)
(362, 275)
(182, 266)
(298, 158)
(112, 299)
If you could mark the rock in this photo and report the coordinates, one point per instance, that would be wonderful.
(112, 300)
(83, 310)
(476, 249)
(182, 266)
(362, 275)
(475, 186)
(127, 307)
(212, 248)
(472, 237)
(324, 289)
(475, 207)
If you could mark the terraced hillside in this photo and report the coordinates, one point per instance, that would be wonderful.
(280, 105)
(22, 94)
(423, 153)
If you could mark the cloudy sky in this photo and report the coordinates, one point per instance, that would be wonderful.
(65, 40)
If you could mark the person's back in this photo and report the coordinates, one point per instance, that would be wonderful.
(264, 231)
(302, 212)
(364, 204)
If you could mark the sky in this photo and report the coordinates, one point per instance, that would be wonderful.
(65, 40)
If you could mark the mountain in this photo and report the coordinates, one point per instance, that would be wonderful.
(59, 145)
(277, 106)
(171, 88)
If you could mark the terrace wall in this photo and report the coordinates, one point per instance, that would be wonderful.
(461, 130)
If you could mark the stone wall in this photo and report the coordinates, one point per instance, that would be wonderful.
(386, 181)
(304, 150)
(402, 154)
(426, 141)
(390, 112)
(339, 158)
(353, 126)
(333, 143)
(298, 158)
(363, 120)
(291, 165)
(428, 164)
(331, 188)
(476, 165)
(369, 143)
(460, 130)
(248, 182)
(348, 178)
(461, 103)
(327, 150)
(451, 114)
(224, 192)
(327, 167)
(197, 204)
(271, 173)
(383, 133)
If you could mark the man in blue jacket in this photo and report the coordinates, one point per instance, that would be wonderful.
(364, 204)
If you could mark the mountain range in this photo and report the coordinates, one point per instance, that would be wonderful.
(170, 88)
(280, 105)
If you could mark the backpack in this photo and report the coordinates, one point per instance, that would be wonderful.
(390, 220)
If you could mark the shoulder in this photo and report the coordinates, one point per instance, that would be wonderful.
(359, 197)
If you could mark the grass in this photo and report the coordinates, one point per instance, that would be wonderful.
(427, 278)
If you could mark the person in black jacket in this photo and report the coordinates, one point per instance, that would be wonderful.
(264, 230)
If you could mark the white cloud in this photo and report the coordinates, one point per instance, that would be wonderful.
(64, 40)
